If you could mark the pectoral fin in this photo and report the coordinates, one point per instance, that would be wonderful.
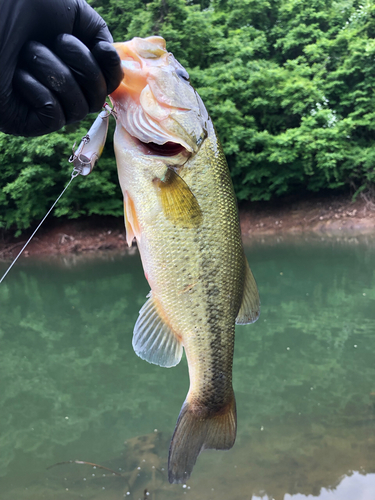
(153, 340)
(250, 307)
(131, 221)
(179, 204)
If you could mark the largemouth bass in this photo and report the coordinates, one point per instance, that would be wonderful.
(181, 208)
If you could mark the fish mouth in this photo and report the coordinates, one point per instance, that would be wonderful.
(167, 149)
(171, 152)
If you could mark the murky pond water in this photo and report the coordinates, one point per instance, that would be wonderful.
(71, 387)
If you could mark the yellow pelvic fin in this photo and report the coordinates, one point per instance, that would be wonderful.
(131, 222)
(153, 339)
(179, 204)
(250, 307)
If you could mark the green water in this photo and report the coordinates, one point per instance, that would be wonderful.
(71, 387)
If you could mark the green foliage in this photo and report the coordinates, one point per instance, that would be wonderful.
(288, 83)
(292, 96)
(34, 171)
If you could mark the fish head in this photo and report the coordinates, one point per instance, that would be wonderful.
(155, 102)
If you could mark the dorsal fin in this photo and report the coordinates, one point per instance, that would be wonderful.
(153, 339)
(250, 307)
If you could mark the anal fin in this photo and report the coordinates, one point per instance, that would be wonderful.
(250, 307)
(153, 339)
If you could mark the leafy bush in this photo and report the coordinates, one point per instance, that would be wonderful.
(35, 170)
(288, 83)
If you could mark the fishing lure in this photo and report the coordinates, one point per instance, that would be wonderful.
(87, 155)
(84, 159)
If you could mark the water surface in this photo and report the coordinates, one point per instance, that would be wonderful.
(71, 387)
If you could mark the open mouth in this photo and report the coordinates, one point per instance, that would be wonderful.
(167, 149)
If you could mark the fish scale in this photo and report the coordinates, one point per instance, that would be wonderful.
(182, 210)
(219, 277)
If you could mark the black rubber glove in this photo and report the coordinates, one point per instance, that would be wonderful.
(56, 64)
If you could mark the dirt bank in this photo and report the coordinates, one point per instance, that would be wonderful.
(329, 216)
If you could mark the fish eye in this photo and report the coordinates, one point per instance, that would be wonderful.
(182, 73)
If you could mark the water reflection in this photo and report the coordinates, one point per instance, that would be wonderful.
(72, 389)
(355, 486)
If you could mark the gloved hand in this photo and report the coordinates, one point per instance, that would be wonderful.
(56, 64)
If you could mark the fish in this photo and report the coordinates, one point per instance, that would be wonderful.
(180, 206)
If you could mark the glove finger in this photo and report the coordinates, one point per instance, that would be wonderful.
(51, 72)
(39, 112)
(110, 64)
(89, 26)
(84, 68)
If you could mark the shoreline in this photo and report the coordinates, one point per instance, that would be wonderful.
(333, 216)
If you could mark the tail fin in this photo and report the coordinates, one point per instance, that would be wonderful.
(194, 433)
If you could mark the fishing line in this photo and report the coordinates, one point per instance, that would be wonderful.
(84, 159)
(75, 173)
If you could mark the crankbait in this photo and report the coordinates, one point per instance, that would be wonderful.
(87, 155)
(84, 159)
